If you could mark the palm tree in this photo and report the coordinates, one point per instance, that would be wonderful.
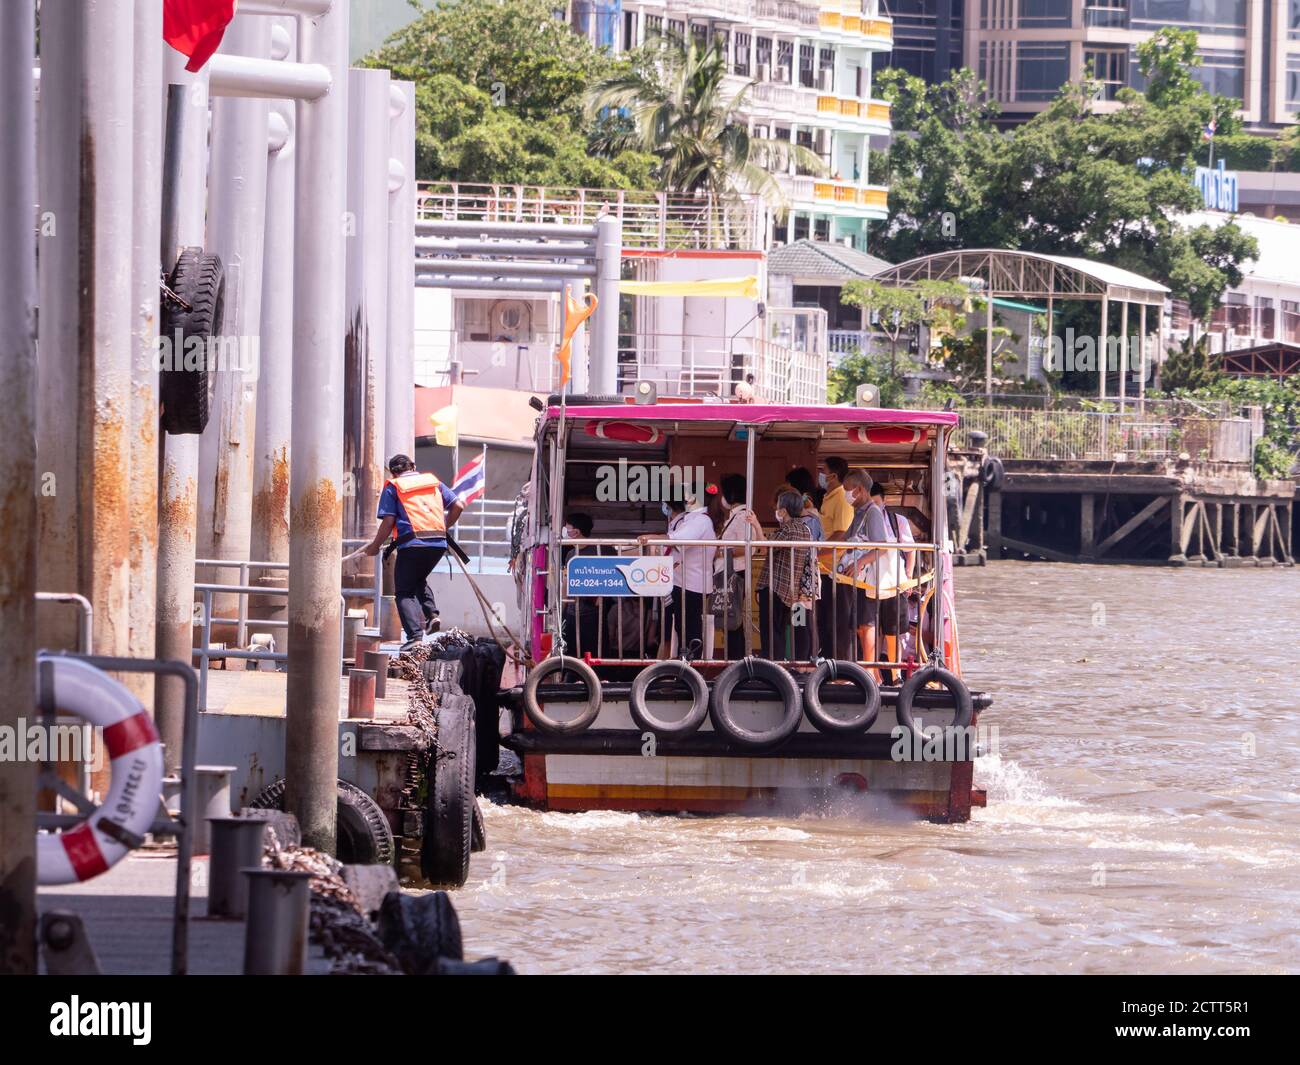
(674, 106)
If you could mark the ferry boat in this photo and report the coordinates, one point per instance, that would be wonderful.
(615, 714)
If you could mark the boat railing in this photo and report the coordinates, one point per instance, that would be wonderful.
(838, 622)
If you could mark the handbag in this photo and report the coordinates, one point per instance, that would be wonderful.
(727, 598)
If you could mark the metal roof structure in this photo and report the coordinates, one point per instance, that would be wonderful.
(1025, 275)
(1031, 275)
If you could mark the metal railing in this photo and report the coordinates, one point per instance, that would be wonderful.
(780, 374)
(841, 621)
(483, 532)
(205, 652)
(1104, 436)
(649, 219)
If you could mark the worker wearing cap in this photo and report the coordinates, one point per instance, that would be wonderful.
(415, 511)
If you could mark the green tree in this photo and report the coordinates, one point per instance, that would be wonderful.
(1190, 366)
(672, 103)
(499, 96)
(898, 309)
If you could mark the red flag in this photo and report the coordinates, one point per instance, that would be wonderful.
(195, 27)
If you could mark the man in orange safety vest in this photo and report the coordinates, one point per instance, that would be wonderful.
(415, 511)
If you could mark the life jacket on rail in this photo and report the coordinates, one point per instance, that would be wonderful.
(421, 497)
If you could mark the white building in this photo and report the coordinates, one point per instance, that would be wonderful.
(1265, 307)
(812, 63)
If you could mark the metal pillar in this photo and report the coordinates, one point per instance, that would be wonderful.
(146, 212)
(186, 153)
(86, 149)
(1142, 354)
(399, 375)
(269, 537)
(236, 208)
(603, 361)
(18, 483)
(988, 342)
(1101, 354)
(365, 345)
(316, 515)
(1124, 354)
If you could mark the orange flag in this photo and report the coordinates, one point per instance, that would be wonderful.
(575, 313)
(195, 27)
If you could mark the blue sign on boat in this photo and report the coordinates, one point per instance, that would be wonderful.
(612, 575)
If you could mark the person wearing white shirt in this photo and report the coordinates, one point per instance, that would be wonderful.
(692, 578)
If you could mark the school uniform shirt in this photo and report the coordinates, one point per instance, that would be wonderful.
(391, 506)
(692, 566)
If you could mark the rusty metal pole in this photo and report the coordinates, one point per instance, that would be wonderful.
(146, 211)
(86, 150)
(270, 533)
(184, 210)
(399, 415)
(365, 343)
(236, 207)
(315, 511)
(18, 483)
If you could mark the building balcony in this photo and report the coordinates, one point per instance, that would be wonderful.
(835, 196)
(849, 22)
(870, 116)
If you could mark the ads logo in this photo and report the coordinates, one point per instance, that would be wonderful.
(649, 577)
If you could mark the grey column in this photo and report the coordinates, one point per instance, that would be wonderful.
(365, 345)
(18, 481)
(399, 417)
(603, 375)
(269, 538)
(236, 209)
(179, 465)
(146, 209)
(315, 481)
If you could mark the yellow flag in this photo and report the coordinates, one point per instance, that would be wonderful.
(574, 315)
(445, 426)
(743, 287)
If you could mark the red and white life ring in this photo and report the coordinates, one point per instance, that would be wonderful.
(134, 791)
(625, 432)
(885, 434)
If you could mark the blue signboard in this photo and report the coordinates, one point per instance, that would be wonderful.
(611, 575)
(1218, 187)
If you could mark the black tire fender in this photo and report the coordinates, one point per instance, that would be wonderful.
(449, 811)
(864, 716)
(478, 831)
(720, 711)
(992, 475)
(364, 835)
(637, 699)
(562, 664)
(917, 682)
(420, 930)
(185, 394)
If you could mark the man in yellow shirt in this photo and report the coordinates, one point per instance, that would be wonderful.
(837, 513)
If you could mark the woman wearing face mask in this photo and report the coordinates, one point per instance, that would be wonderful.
(692, 571)
(737, 517)
(789, 586)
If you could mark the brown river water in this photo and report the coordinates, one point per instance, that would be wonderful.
(1143, 815)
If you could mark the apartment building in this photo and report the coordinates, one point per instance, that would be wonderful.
(812, 63)
(1027, 49)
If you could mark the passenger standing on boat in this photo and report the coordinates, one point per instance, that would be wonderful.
(415, 510)
(692, 573)
(849, 616)
(737, 518)
(837, 515)
(801, 480)
(789, 586)
(580, 619)
(892, 569)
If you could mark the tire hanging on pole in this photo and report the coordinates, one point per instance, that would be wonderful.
(191, 318)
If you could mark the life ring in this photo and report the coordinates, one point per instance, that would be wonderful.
(864, 715)
(625, 432)
(562, 664)
(720, 710)
(884, 434)
(86, 850)
(917, 681)
(992, 475)
(647, 720)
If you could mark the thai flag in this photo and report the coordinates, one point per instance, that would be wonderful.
(471, 479)
(1207, 134)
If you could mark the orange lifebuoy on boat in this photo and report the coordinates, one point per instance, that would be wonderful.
(884, 434)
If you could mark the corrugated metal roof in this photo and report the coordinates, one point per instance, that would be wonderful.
(823, 260)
